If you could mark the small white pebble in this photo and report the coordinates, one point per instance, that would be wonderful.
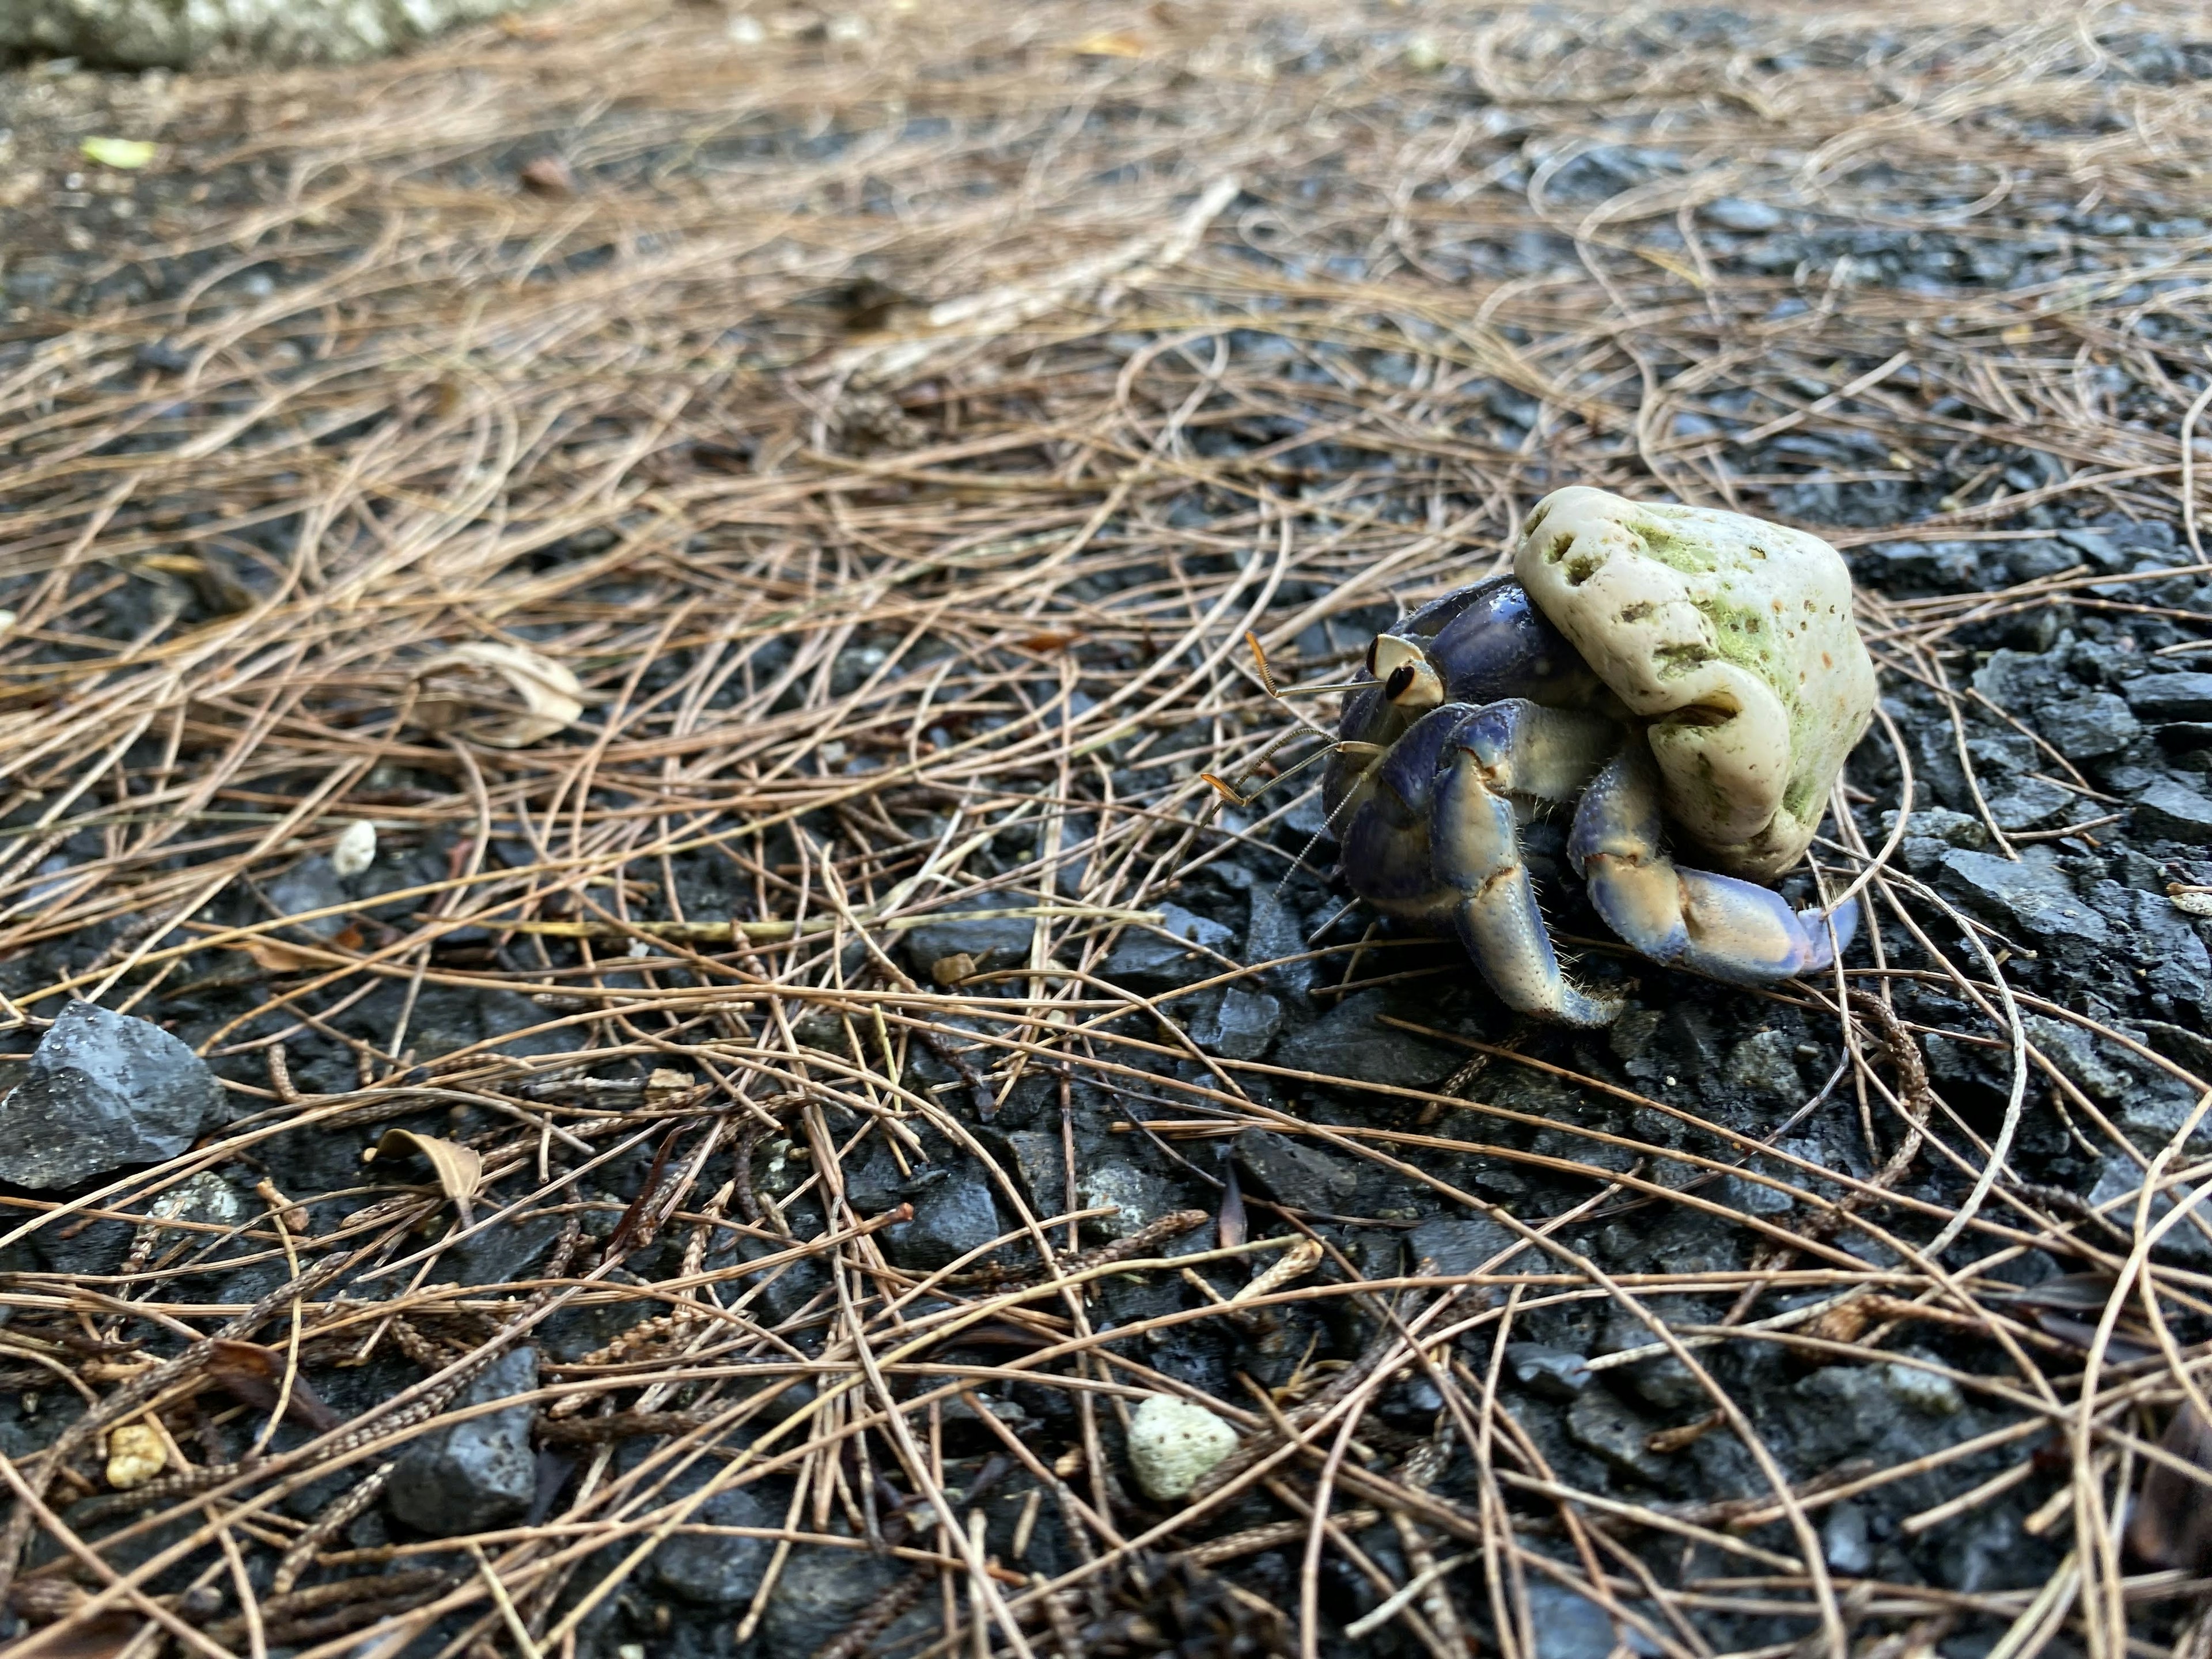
(1670, 1083)
(1172, 1444)
(356, 849)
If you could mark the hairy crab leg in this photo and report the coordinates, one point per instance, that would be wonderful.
(1503, 754)
(1713, 924)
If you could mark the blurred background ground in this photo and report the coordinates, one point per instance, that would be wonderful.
(895, 419)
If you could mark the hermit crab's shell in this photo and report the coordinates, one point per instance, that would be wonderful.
(1732, 637)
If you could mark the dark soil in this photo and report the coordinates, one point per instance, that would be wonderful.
(868, 954)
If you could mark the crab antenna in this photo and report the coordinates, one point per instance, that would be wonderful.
(1260, 661)
(1290, 691)
(1235, 797)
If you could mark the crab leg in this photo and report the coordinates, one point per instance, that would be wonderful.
(1506, 755)
(1713, 924)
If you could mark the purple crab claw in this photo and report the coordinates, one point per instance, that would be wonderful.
(1713, 924)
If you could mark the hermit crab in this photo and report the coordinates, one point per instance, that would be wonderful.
(1669, 674)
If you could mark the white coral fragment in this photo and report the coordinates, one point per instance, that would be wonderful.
(1173, 1444)
(1732, 638)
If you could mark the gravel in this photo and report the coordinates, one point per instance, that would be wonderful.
(476, 1474)
(102, 1090)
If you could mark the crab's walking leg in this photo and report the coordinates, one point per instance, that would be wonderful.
(1713, 924)
(1505, 753)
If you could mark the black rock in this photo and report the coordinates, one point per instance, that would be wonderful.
(820, 1591)
(1239, 1025)
(717, 1572)
(162, 357)
(2171, 697)
(1137, 1196)
(2030, 895)
(1295, 1174)
(2030, 804)
(1273, 932)
(2171, 811)
(1349, 1042)
(991, 941)
(1735, 213)
(1161, 959)
(1766, 1063)
(478, 1475)
(952, 1217)
(1568, 1625)
(1448, 1245)
(2088, 726)
(102, 1090)
(1552, 1373)
(311, 884)
(1598, 1423)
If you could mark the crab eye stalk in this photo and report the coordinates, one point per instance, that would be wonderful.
(1409, 680)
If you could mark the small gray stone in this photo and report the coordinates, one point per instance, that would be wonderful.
(1138, 1198)
(478, 1475)
(2091, 725)
(136, 34)
(1172, 1444)
(717, 1572)
(2031, 894)
(1552, 1373)
(1040, 1166)
(1764, 1063)
(1449, 1245)
(1598, 1423)
(102, 1089)
(1293, 1173)
(950, 1218)
(2171, 811)
(1735, 213)
(2030, 804)
(2121, 1179)
(2075, 1052)
(1163, 957)
(1349, 1042)
(2161, 697)
(1240, 1025)
(991, 941)
(1941, 824)
(311, 884)
(1844, 1541)
(1571, 1627)
(820, 1591)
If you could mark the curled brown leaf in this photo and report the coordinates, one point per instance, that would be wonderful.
(505, 696)
(459, 1169)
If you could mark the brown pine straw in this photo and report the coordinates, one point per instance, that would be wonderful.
(921, 335)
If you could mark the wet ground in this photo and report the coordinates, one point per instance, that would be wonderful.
(884, 1056)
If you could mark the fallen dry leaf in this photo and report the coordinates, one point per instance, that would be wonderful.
(667, 1084)
(274, 955)
(950, 971)
(548, 176)
(2172, 1526)
(1111, 43)
(460, 1169)
(1049, 639)
(505, 696)
(254, 1376)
